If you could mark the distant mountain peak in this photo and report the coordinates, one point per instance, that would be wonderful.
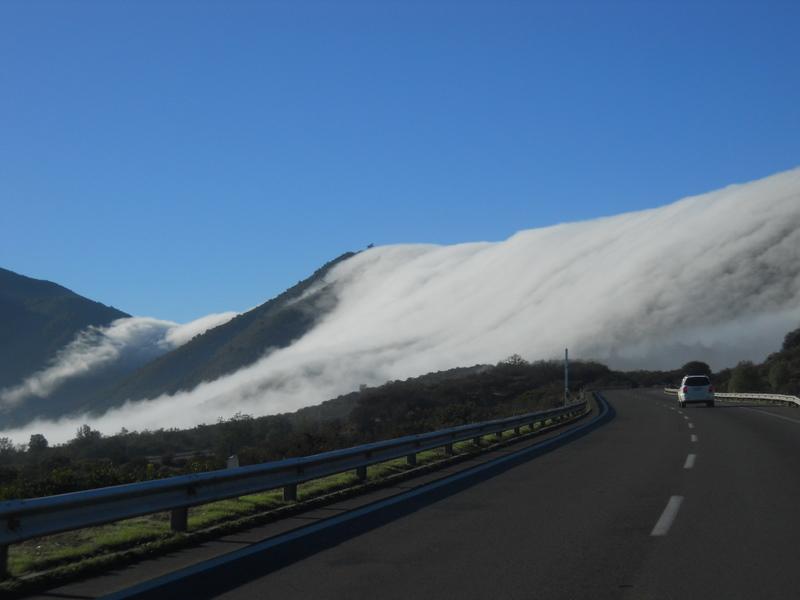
(87, 365)
(38, 318)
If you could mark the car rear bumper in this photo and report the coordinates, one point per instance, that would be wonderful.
(695, 399)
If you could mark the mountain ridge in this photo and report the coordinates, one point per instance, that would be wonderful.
(218, 351)
(241, 341)
(37, 319)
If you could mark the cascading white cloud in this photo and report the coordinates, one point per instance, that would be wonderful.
(714, 277)
(134, 339)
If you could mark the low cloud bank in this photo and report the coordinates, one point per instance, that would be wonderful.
(714, 277)
(132, 340)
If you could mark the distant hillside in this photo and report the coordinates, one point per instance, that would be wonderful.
(37, 318)
(229, 347)
(778, 374)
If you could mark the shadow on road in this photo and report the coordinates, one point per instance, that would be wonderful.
(743, 405)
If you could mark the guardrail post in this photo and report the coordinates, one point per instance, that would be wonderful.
(477, 440)
(411, 460)
(499, 436)
(448, 449)
(361, 473)
(3, 562)
(517, 430)
(290, 493)
(179, 519)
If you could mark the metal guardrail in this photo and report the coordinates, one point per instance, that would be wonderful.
(21, 520)
(740, 396)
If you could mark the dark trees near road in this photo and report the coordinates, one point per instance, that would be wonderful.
(696, 367)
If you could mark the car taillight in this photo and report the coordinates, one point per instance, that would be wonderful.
(685, 389)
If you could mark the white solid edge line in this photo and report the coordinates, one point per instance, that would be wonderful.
(769, 414)
(667, 517)
(693, 438)
(689, 461)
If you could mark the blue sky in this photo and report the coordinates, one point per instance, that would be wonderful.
(179, 158)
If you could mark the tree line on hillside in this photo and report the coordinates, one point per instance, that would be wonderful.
(778, 374)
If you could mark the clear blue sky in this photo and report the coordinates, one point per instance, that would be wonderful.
(180, 158)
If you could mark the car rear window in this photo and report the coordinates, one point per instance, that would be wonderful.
(694, 381)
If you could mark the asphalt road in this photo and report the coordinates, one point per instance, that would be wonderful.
(579, 522)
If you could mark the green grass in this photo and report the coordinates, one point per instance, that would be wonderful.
(207, 515)
(94, 543)
(44, 553)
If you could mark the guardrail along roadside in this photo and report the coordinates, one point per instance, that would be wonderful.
(752, 396)
(22, 520)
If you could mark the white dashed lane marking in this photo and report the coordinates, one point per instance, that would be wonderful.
(689, 461)
(668, 516)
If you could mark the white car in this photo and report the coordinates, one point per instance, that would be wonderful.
(696, 388)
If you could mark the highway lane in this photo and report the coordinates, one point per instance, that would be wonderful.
(737, 533)
(659, 503)
(578, 522)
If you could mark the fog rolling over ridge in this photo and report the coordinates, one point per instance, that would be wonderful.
(126, 341)
(714, 277)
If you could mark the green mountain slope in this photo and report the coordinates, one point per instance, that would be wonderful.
(229, 347)
(37, 318)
